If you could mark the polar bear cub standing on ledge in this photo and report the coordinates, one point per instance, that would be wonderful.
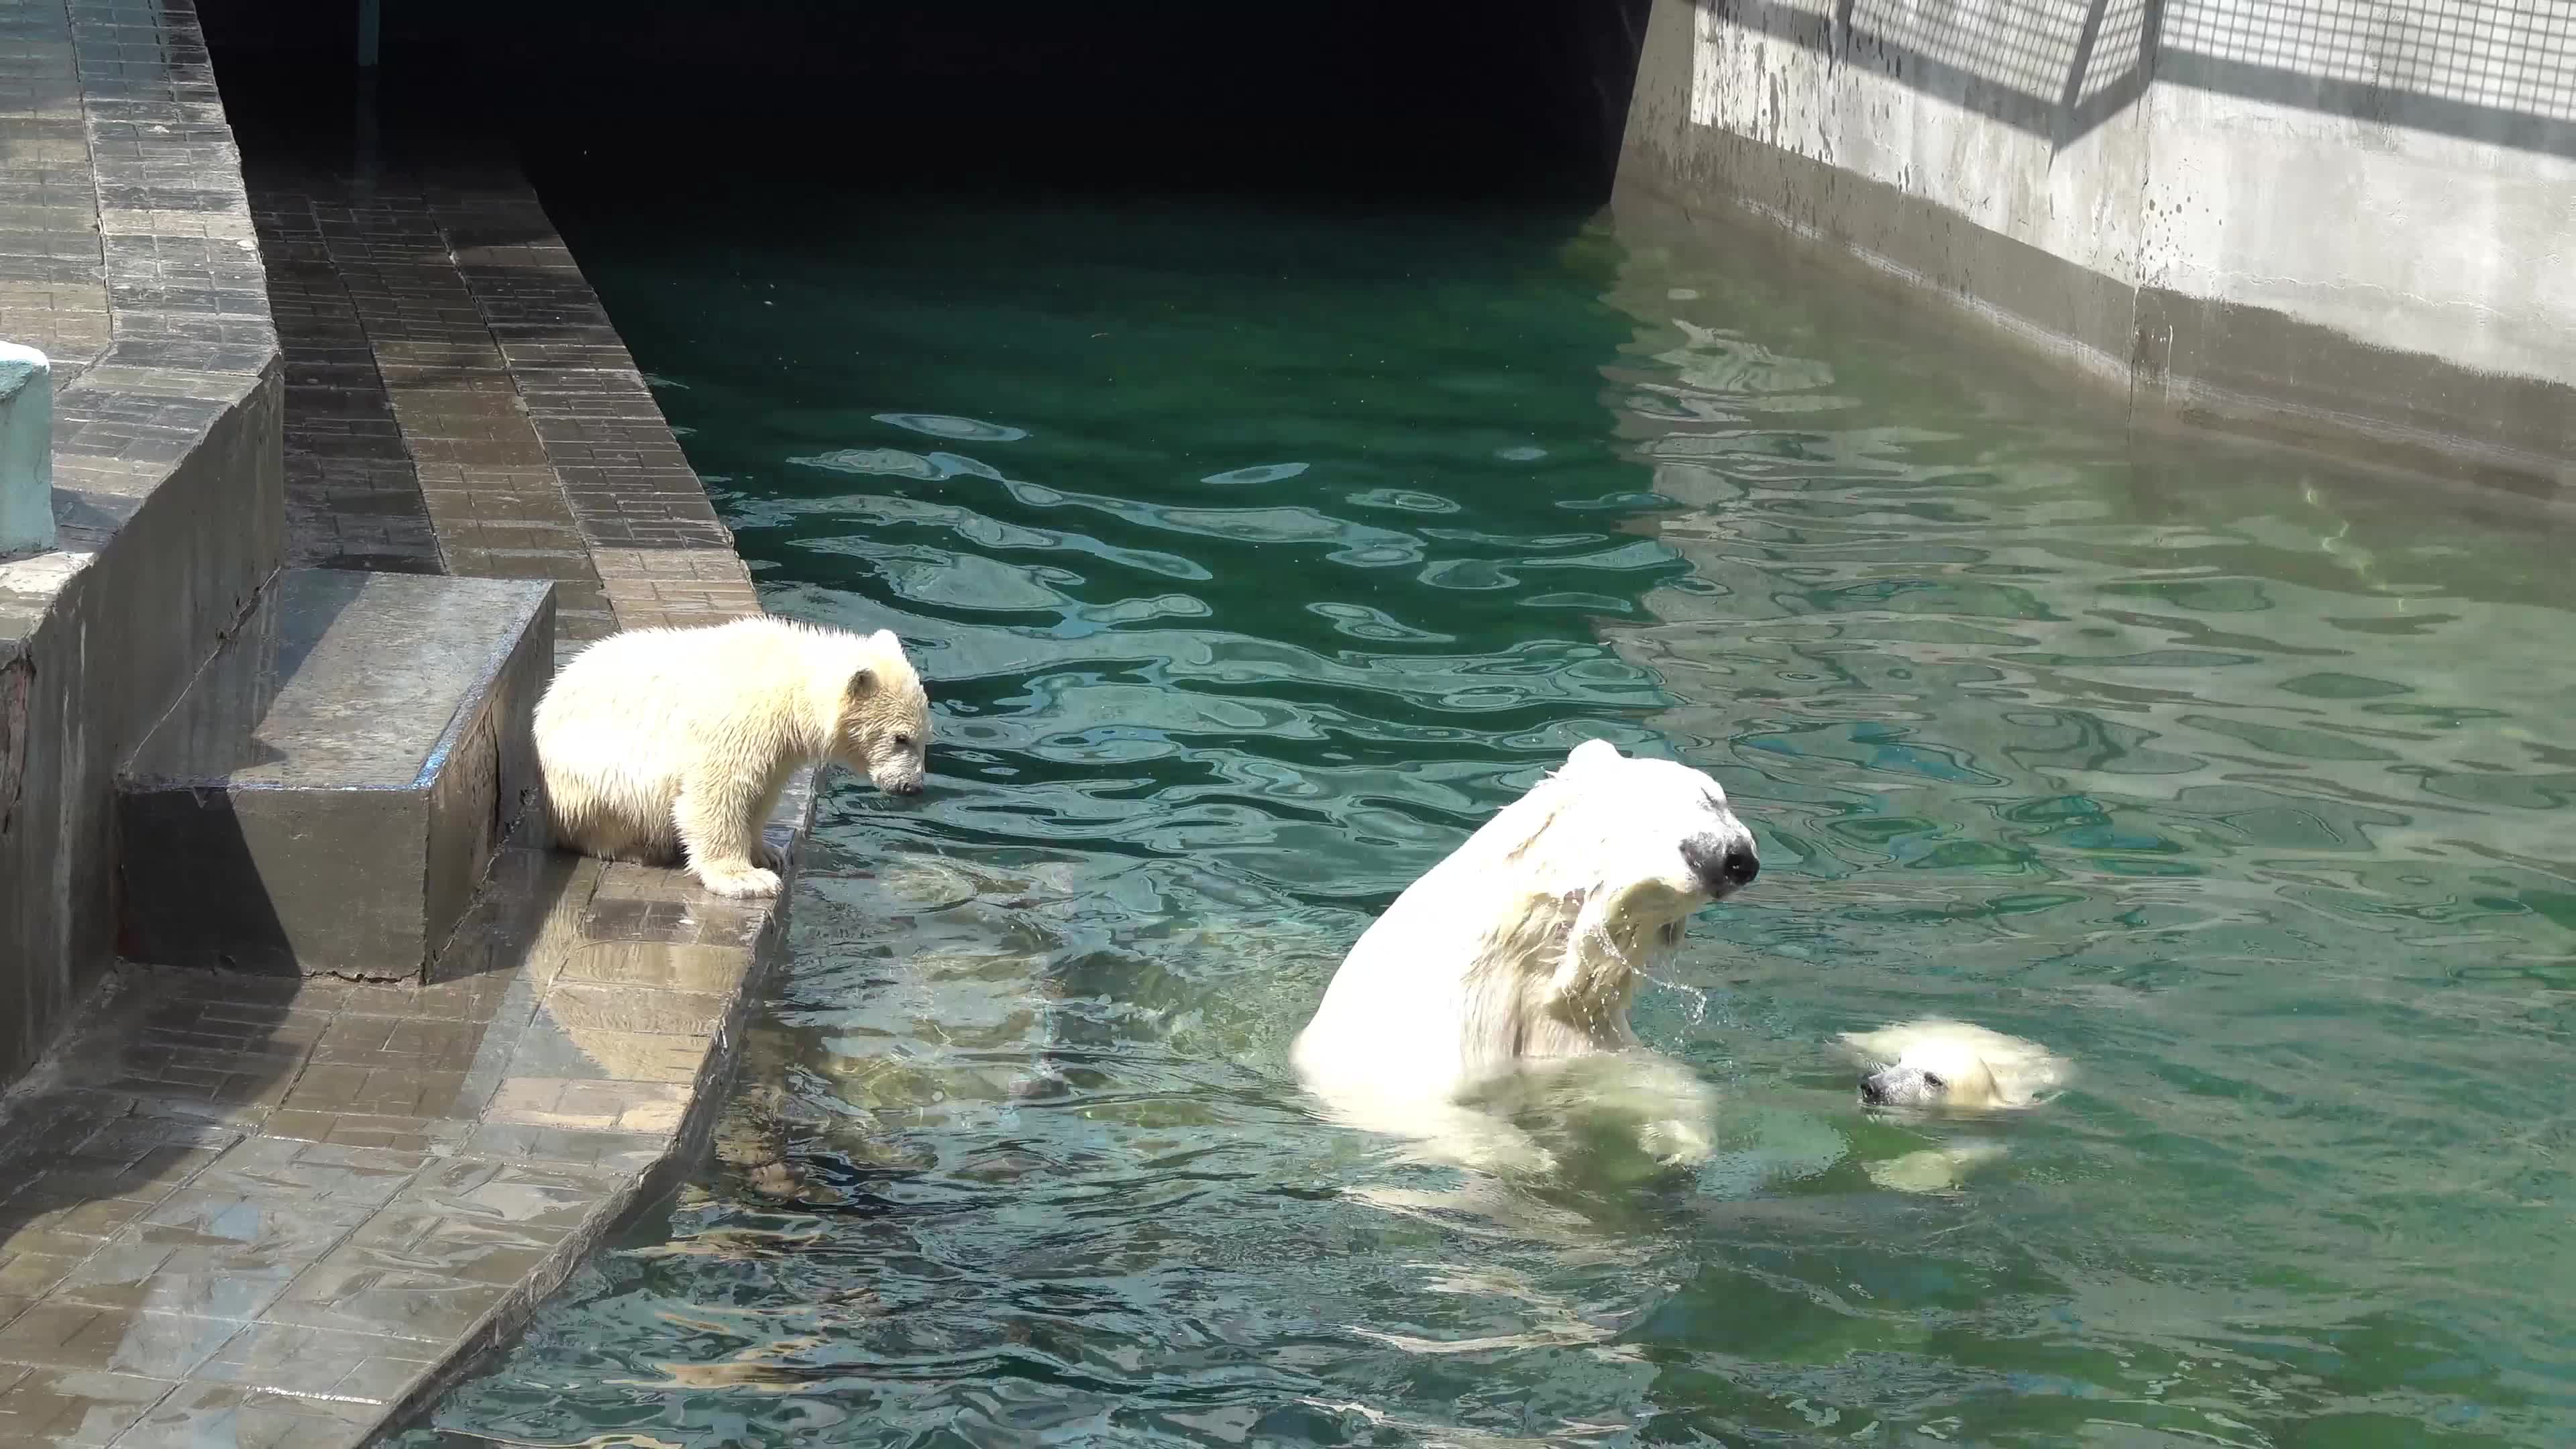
(1525, 947)
(673, 745)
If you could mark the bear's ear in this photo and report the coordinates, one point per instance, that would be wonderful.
(884, 639)
(1592, 752)
(863, 682)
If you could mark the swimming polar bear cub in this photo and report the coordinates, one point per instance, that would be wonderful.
(672, 745)
(1524, 949)
(1936, 1062)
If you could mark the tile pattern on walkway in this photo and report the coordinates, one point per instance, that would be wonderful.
(458, 399)
(149, 291)
(281, 1208)
(352, 493)
(126, 251)
(53, 278)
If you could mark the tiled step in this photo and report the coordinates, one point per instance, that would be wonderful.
(328, 794)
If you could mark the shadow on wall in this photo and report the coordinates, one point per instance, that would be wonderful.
(685, 97)
(2499, 71)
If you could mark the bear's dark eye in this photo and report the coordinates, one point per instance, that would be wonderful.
(903, 741)
(1935, 1083)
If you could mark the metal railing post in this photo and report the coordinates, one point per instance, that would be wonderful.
(26, 450)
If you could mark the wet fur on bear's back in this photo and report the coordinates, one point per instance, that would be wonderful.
(1525, 945)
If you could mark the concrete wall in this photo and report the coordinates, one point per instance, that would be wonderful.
(143, 283)
(94, 648)
(1330, 96)
(2347, 225)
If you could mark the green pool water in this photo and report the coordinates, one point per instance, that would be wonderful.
(1254, 558)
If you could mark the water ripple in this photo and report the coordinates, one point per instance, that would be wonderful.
(940, 425)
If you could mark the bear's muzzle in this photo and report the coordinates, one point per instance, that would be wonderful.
(1722, 864)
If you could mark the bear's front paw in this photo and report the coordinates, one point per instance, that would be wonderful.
(1511, 1150)
(740, 882)
(776, 856)
(1675, 1143)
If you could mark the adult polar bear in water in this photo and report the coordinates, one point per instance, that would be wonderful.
(1523, 950)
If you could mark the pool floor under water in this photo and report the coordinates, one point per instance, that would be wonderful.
(1253, 558)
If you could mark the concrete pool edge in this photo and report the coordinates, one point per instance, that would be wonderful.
(129, 258)
(690, 1141)
(2075, 245)
(303, 1208)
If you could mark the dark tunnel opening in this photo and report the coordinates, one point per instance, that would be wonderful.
(1518, 100)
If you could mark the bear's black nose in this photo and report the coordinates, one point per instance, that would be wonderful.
(1741, 866)
(1873, 1092)
(1721, 864)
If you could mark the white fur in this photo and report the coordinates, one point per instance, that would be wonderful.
(672, 745)
(1934, 1169)
(1936, 1062)
(1525, 947)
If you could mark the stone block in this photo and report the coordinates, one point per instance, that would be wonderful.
(330, 791)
